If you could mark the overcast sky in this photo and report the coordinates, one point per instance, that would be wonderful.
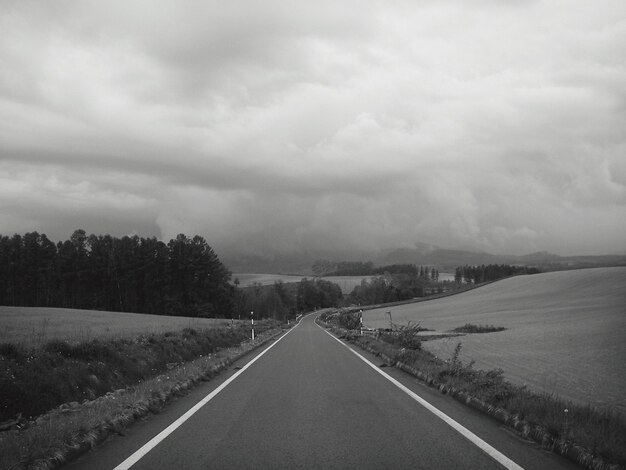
(497, 125)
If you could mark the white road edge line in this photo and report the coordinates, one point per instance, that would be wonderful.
(156, 440)
(473, 438)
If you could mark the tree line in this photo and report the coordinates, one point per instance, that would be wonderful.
(393, 287)
(281, 301)
(490, 272)
(186, 277)
(360, 268)
(102, 272)
(143, 275)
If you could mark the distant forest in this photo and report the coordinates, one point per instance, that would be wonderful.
(128, 274)
(490, 272)
(185, 277)
(399, 282)
(359, 268)
(283, 300)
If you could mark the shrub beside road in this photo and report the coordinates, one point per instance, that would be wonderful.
(62, 399)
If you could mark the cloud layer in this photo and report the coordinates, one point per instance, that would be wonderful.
(498, 126)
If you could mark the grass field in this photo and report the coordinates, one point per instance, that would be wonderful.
(35, 326)
(565, 331)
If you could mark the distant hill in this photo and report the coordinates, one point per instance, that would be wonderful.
(444, 258)
(447, 259)
(300, 261)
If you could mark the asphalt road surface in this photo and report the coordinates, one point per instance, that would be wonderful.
(309, 402)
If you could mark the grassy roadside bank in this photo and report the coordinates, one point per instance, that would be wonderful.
(593, 438)
(73, 427)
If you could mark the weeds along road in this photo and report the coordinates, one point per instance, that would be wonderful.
(309, 402)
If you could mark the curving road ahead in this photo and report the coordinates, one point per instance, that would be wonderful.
(310, 402)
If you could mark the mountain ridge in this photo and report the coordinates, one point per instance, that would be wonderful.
(445, 259)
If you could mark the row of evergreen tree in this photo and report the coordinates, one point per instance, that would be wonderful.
(185, 277)
(490, 272)
(101, 272)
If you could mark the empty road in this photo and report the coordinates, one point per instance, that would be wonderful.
(309, 402)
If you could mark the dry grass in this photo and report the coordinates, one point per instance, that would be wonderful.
(58, 432)
(33, 381)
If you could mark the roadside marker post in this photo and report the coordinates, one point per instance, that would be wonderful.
(361, 321)
(252, 318)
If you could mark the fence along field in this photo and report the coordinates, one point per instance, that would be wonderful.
(565, 331)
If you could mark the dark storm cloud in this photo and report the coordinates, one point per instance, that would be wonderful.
(497, 126)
